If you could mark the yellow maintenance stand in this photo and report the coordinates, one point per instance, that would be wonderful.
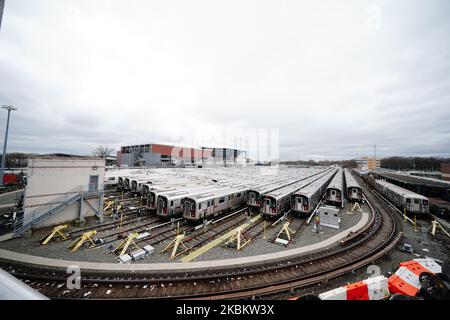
(56, 232)
(87, 236)
(238, 238)
(175, 244)
(126, 243)
(286, 231)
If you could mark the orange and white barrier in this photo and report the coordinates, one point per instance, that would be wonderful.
(375, 288)
(406, 278)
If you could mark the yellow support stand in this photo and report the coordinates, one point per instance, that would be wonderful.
(175, 243)
(81, 240)
(357, 207)
(238, 238)
(57, 231)
(126, 243)
(286, 230)
(435, 224)
(404, 214)
(109, 204)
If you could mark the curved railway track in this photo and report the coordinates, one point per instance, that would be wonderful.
(378, 237)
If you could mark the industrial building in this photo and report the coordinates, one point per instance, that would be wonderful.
(169, 155)
(368, 163)
(62, 189)
(445, 169)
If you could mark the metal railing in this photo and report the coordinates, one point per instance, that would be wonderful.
(32, 218)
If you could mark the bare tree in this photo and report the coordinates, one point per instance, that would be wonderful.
(103, 151)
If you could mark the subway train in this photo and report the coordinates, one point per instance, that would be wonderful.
(403, 198)
(278, 201)
(352, 187)
(213, 203)
(172, 203)
(335, 194)
(306, 199)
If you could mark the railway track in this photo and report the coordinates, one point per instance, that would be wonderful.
(377, 239)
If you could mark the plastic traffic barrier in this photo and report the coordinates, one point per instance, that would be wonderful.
(375, 288)
(357, 291)
(404, 282)
(406, 278)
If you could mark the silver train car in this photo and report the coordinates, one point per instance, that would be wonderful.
(403, 198)
(335, 190)
(155, 191)
(149, 198)
(124, 182)
(213, 203)
(353, 189)
(172, 203)
(306, 199)
(136, 184)
(255, 194)
(278, 201)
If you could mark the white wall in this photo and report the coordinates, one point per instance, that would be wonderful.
(49, 179)
(71, 213)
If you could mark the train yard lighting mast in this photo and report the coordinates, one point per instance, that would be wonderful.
(9, 108)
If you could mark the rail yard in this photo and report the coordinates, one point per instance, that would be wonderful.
(217, 233)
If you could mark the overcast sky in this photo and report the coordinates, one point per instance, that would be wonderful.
(330, 78)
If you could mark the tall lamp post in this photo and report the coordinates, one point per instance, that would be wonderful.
(9, 108)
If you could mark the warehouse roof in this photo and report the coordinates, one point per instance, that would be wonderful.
(63, 156)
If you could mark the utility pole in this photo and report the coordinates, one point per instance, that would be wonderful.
(9, 108)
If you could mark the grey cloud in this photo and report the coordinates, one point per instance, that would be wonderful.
(100, 72)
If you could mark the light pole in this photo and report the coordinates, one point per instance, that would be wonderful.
(9, 108)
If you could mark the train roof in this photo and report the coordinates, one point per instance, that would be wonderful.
(311, 188)
(295, 187)
(337, 182)
(177, 194)
(184, 188)
(399, 190)
(216, 193)
(350, 182)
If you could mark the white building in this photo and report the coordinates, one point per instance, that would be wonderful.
(61, 189)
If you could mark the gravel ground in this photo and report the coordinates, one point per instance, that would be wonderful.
(58, 250)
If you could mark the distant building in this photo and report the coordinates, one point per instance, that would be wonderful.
(445, 169)
(368, 163)
(167, 155)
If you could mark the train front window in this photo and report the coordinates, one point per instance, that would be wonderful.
(416, 201)
(408, 200)
(425, 202)
(272, 204)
